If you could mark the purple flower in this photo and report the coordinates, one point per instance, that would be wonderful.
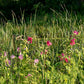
(12, 56)
(20, 57)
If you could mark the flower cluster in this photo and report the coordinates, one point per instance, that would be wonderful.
(73, 40)
(63, 57)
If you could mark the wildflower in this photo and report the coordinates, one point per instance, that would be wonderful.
(41, 53)
(8, 62)
(73, 39)
(75, 32)
(49, 43)
(72, 42)
(12, 56)
(30, 39)
(46, 51)
(20, 57)
(18, 49)
(36, 61)
(29, 75)
(5, 53)
(66, 60)
(63, 54)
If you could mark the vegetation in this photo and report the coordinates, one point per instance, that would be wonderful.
(44, 50)
(29, 6)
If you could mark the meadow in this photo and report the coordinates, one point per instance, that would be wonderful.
(45, 49)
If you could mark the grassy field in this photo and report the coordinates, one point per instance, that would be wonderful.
(43, 50)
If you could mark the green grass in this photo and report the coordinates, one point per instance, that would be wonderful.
(57, 28)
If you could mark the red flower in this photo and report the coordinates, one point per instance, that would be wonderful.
(66, 60)
(49, 43)
(30, 39)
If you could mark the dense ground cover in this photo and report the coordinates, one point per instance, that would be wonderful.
(46, 50)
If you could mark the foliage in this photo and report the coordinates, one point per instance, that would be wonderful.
(17, 6)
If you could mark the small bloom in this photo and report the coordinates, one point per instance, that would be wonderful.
(30, 39)
(41, 53)
(49, 43)
(75, 32)
(18, 49)
(66, 60)
(63, 54)
(5, 53)
(20, 57)
(73, 39)
(36, 61)
(46, 51)
(29, 75)
(12, 56)
(72, 43)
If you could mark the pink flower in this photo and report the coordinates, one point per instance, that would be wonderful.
(66, 60)
(30, 39)
(49, 43)
(75, 32)
(18, 49)
(20, 57)
(73, 39)
(63, 54)
(5, 53)
(29, 75)
(72, 42)
(36, 61)
(12, 56)
(41, 53)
